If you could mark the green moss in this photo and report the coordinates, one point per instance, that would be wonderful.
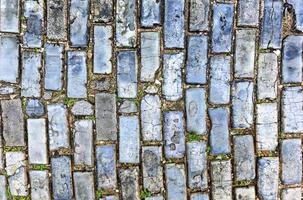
(193, 137)
(243, 183)
(101, 193)
(69, 102)
(219, 157)
(39, 167)
(90, 117)
(145, 193)
(14, 149)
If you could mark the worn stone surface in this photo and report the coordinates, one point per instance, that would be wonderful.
(56, 19)
(9, 17)
(175, 181)
(245, 193)
(128, 106)
(4, 90)
(291, 194)
(39, 181)
(199, 196)
(298, 11)
(3, 187)
(155, 198)
(102, 10)
(130, 183)
(150, 13)
(81, 108)
(199, 11)
(248, 13)
(34, 108)
(84, 185)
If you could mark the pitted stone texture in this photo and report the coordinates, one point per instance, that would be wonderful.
(3, 195)
(244, 162)
(110, 198)
(57, 127)
(130, 183)
(292, 63)
(196, 165)
(103, 84)
(172, 74)
(174, 135)
(83, 142)
(61, 178)
(76, 74)
(291, 157)
(37, 141)
(81, 108)
(175, 181)
(126, 26)
(106, 167)
(245, 193)
(129, 143)
(271, 29)
(84, 185)
(103, 49)
(155, 198)
(39, 182)
(102, 10)
(196, 110)
(56, 19)
(4, 90)
(13, 123)
(292, 113)
(106, 116)
(34, 108)
(221, 179)
(152, 169)
(222, 27)
(151, 118)
(242, 104)
(267, 78)
(150, 55)
(127, 68)
(53, 66)
(9, 58)
(248, 13)
(268, 177)
(199, 196)
(9, 17)
(150, 13)
(219, 133)
(219, 89)
(245, 53)
(291, 194)
(128, 106)
(198, 18)
(174, 24)
(297, 6)
(196, 59)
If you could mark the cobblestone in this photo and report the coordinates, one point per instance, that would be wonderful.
(175, 181)
(247, 193)
(9, 16)
(39, 181)
(84, 185)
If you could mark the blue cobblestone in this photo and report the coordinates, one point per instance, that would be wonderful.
(150, 13)
(9, 21)
(198, 18)
(175, 181)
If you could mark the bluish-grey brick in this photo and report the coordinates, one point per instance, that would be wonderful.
(84, 185)
(291, 194)
(158, 197)
(9, 17)
(199, 196)
(102, 10)
(150, 13)
(56, 19)
(3, 195)
(129, 179)
(128, 106)
(7, 90)
(198, 18)
(34, 108)
(81, 108)
(39, 181)
(248, 12)
(245, 193)
(298, 11)
(175, 181)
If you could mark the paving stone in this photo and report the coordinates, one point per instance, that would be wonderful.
(127, 68)
(3, 195)
(34, 108)
(83, 142)
(219, 85)
(292, 113)
(291, 157)
(81, 108)
(16, 173)
(106, 167)
(9, 58)
(291, 194)
(61, 178)
(150, 13)
(244, 163)
(76, 74)
(7, 90)
(129, 143)
(219, 133)
(58, 133)
(1, 159)
(196, 110)
(37, 141)
(9, 17)
(267, 77)
(267, 126)
(245, 53)
(150, 54)
(221, 179)
(297, 6)
(39, 182)
(175, 181)
(30, 83)
(13, 123)
(126, 27)
(56, 19)
(248, 13)
(172, 74)
(130, 183)
(222, 27)
(151, 118)
(106, 121)
(174, 24)
(198, 17)
(155, 198)
(33, 13)
(270, 36)
(128, 106)
(152, 169)
(102, 10)
(268, 177)
(292, 63)
(103, 49)
(199, 196)
(245, 193)
(53, 66)
(174, 135)
(242, 104)
(102, 85)
(196, 59)
(84, 185)
(110, 198)
(196, 165)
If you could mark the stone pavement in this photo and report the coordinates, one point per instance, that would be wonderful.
(151, 99)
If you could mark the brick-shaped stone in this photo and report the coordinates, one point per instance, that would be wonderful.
(130, 183)
(198, 18)
(128, 106)
(84, 185)
(56, 19)
(34, 108)
(298, 11)
(158, 197)
(81, 108)
(9, 17)
(291, 194)
(245, 193)
(199, 196)
(248, 12)
(150, 13)
(39, 181)
(3, 195)
(102, 10)
(175, 181)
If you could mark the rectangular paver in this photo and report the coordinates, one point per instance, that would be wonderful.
(198, 18)
(150, 12)
(56, 19)
(39, 181)
(102, 10)
(84, 185)
(130, 183)
(248, 12)
(175, 181)
(9, 17)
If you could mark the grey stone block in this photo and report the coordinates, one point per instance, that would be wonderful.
(56, 19)
(130, 183)
(150, 13)
(81, 108)
(298, 11)
(3, 195)
(175, 181)
(248, 13)
(198, 18)
(155, 198)
(34, 108)
(9, 17)
(128, 106)
(245, 193)
(39, 182)
(102, 10)
(291, 194)
(4, 90)
(199, 196)
(84, 185)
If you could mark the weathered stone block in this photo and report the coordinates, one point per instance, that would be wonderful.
(248, 12)
(198, 18)
(34, 108)
(3, 195)
(128, 106)
(150, 13)
(102, 10)
(245, 193)
(39, 181)
(9, 17)
(56, 19)
(81, 108)
(130, 183)
(199, 196)
(84, 185)
(175, 181)
(291, 194)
